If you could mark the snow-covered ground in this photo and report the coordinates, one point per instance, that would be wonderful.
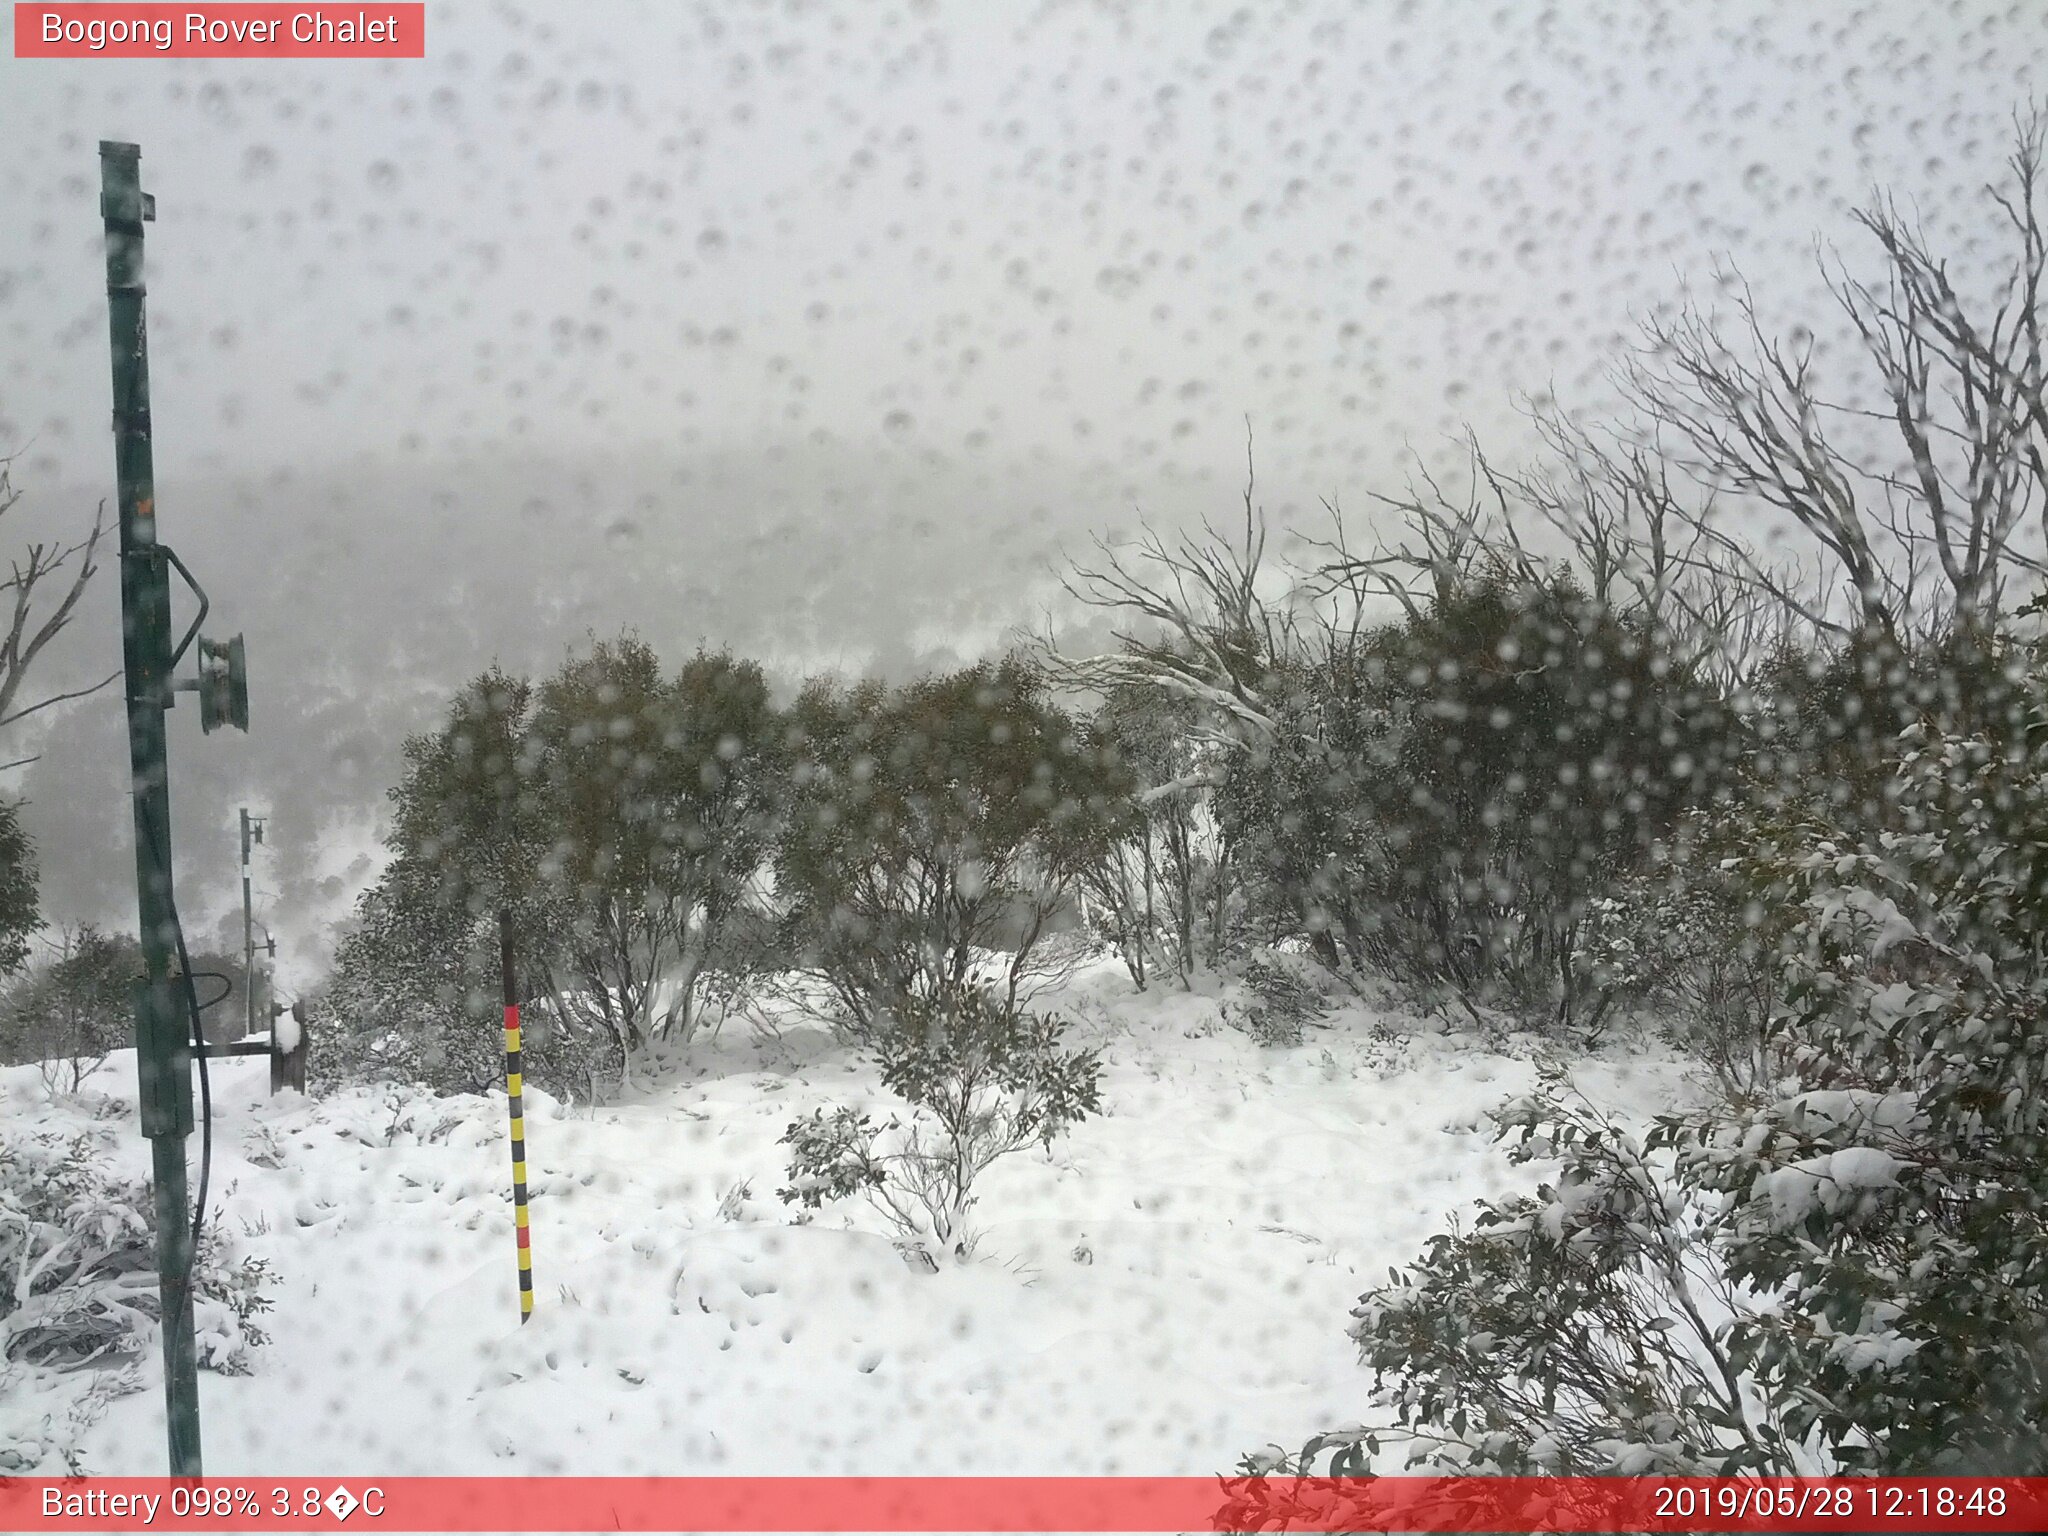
(1166, 1290)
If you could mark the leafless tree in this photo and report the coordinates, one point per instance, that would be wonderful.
(1928, 541)
(42, 570)
(1447, 537)
(1647, 541)
(1204, 625)
(1604, 508)
(1920, 329)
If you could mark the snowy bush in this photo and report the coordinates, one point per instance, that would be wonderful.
(1576, 1332)
(44, 1414)
(412, 1000)
(1158, 889)
(20, 912)
(78, 1278)
(1846, 1266)
(1441, 798)
(659, 794)
(1893, 1190)
(1283, 993)
(1621, 948)
(1688, 940)
(617, 818)
(1831, 711)
(985, 1079)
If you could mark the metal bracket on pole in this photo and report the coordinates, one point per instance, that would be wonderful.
(163, 1062)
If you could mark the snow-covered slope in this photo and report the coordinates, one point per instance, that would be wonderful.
(1167, 1289)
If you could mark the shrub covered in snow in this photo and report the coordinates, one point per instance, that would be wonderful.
(1441, 798)
(1578, 1332)
(985, 1079)
(20, 912)
(1893, 1190)
(1283, 991)
(1848, 1263)
(1159, 889)
(1690, 940)
(78, 1279)
(413, 999)
(617, 817)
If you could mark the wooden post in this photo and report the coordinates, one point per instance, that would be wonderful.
(514, 1093)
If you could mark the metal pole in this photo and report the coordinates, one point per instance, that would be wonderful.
(514, 1092)
(248, 940)
(163, 1038)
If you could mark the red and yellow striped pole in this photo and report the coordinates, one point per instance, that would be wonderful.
(514, 1086)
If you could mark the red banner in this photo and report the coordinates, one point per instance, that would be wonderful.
(214, 31)
(1082, 1504)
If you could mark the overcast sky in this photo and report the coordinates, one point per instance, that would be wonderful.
(820, 331)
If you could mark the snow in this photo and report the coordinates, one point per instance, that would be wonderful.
(1829, 1182)
(1859, 1109)
(1888, 926)
(1166, 1290)
(1863, 1168)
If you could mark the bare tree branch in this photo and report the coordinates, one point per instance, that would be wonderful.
(28, 634)
(1202, 628)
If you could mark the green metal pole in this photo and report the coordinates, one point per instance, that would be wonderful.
(163, 1041)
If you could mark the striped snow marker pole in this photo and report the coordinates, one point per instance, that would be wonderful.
(514, 1086)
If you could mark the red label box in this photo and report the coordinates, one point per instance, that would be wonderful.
(1453, 1506)
(216, 31)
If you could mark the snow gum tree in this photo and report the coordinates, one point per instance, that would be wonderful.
(75, 1008)
(932, 825)
(1159, 888)
(415, 986)
(618, 815)
(660, 794)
